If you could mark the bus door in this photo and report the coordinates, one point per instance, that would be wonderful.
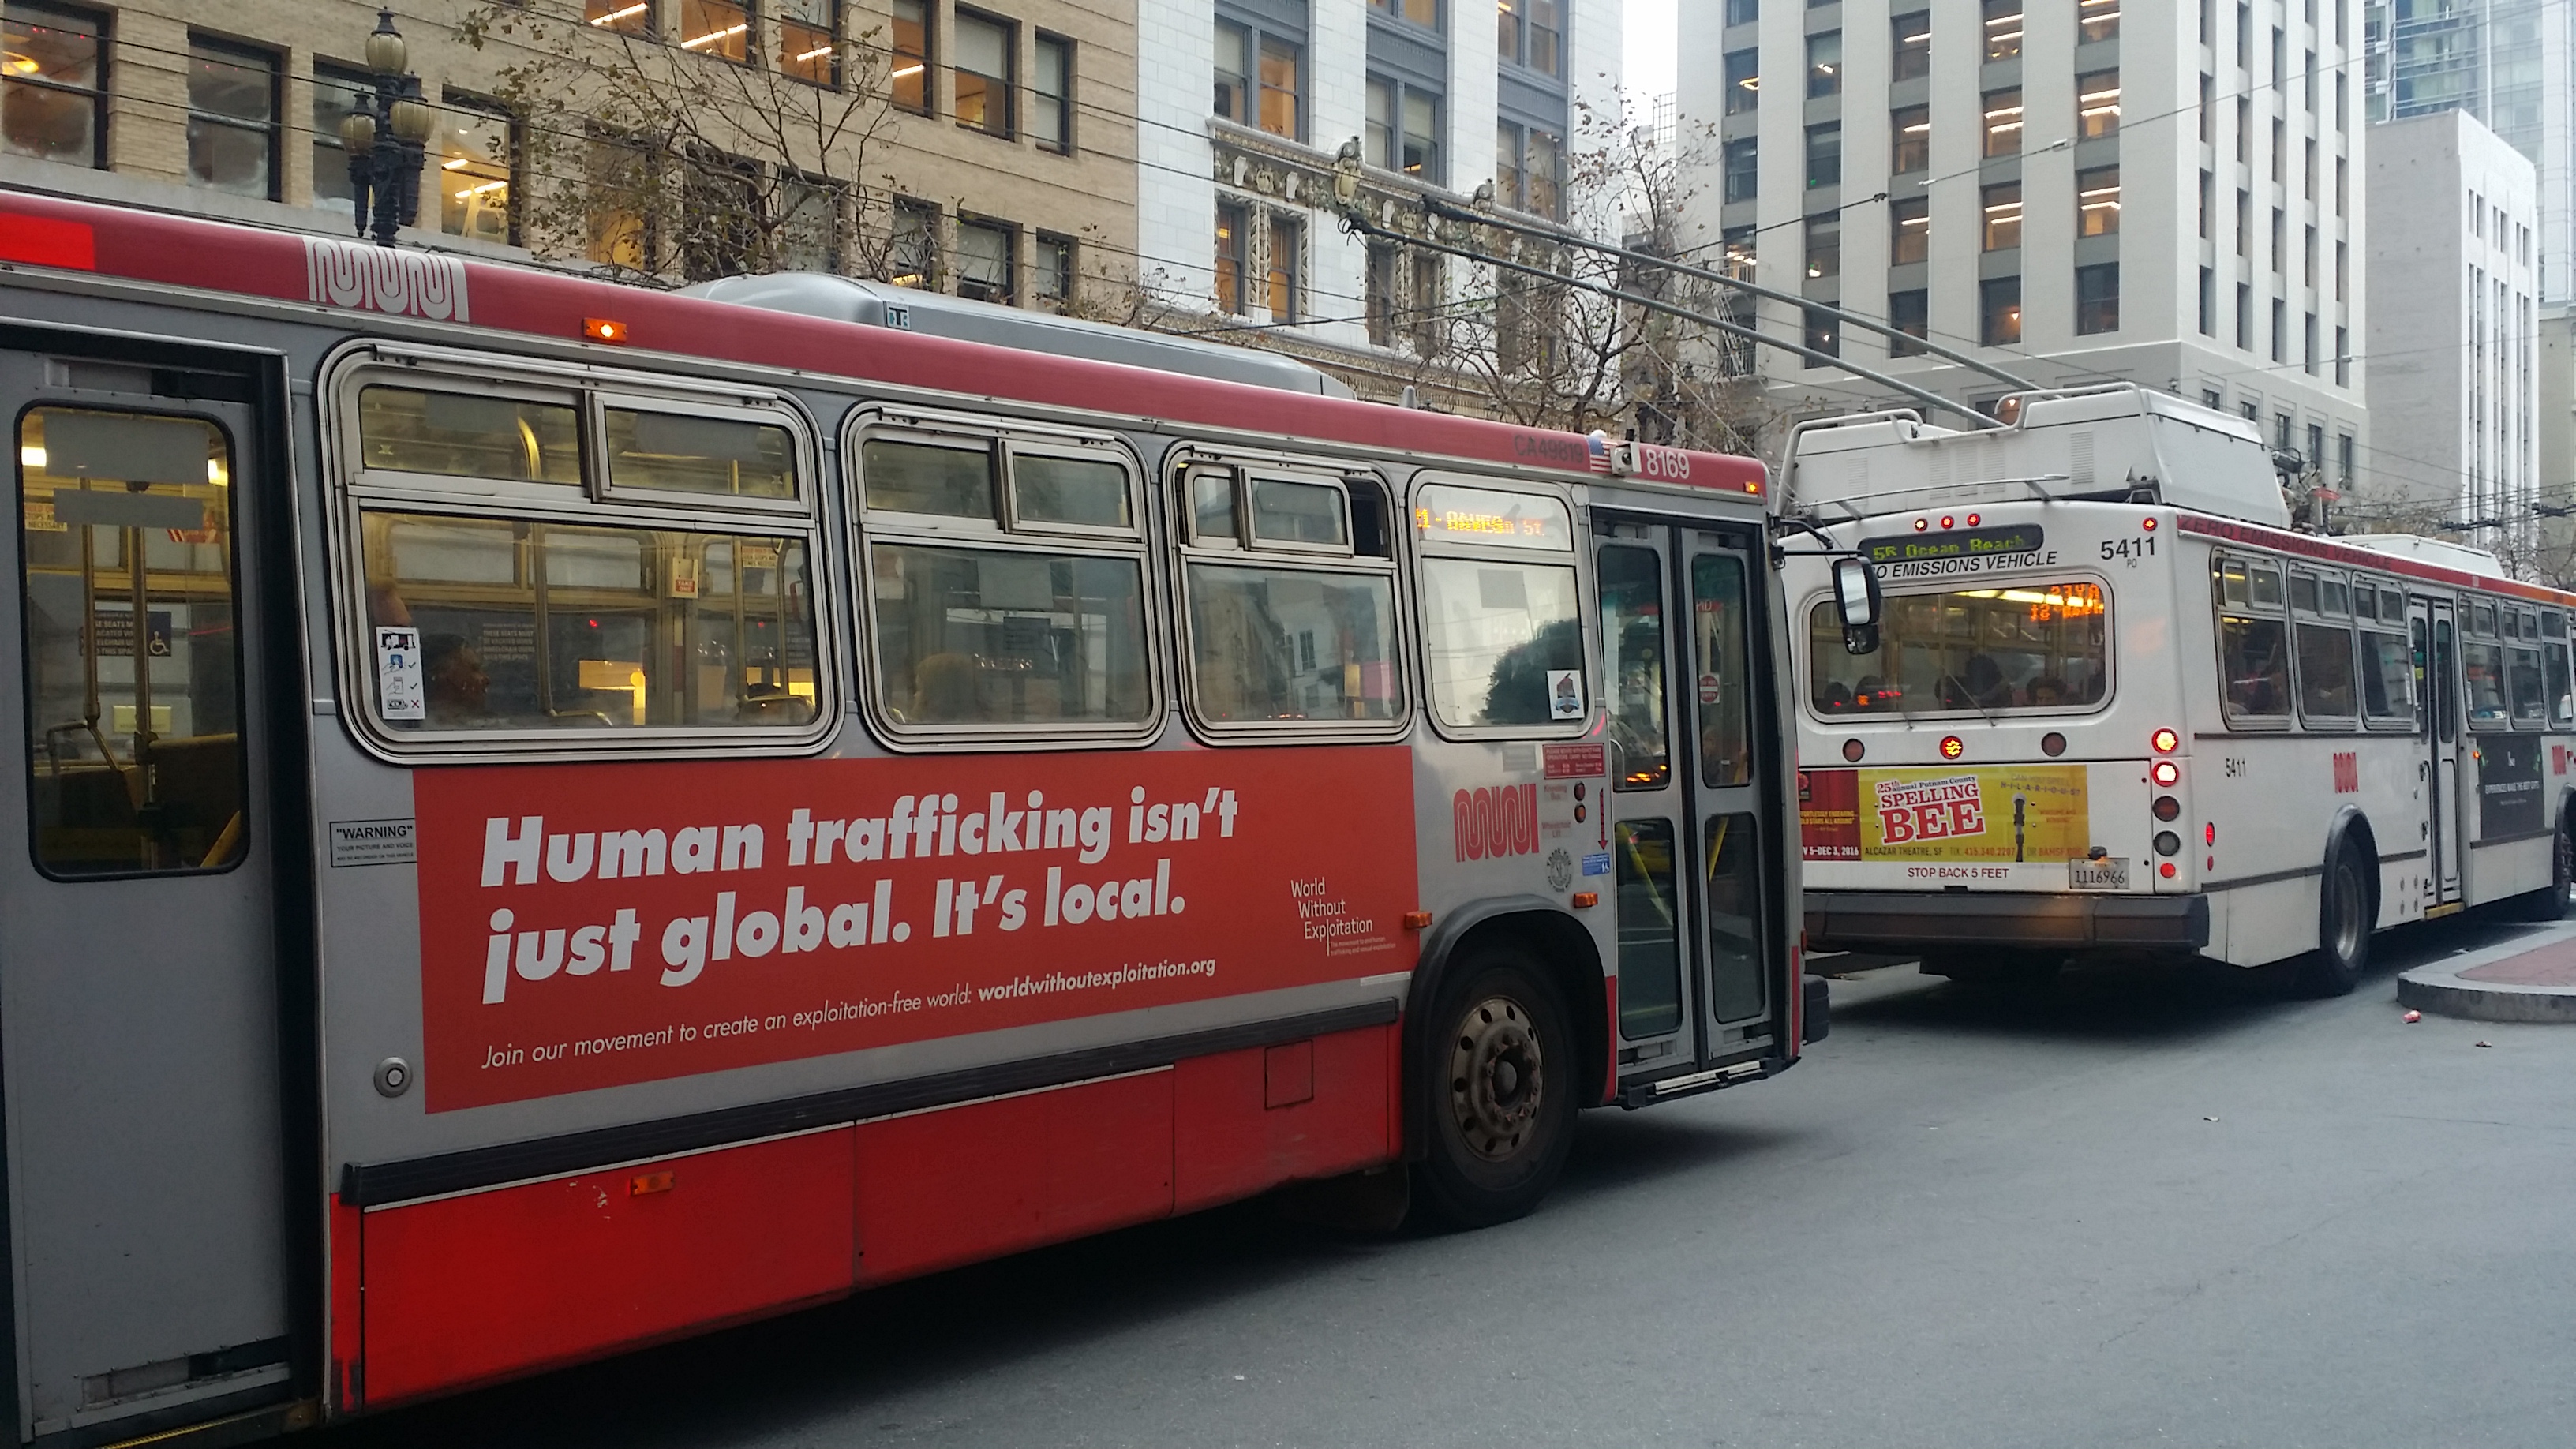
(1681, 815)
(2437, 711)
(139, 989)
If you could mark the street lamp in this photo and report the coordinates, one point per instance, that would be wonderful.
(395, 116)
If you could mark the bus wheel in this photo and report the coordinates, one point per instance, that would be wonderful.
(2551, 904)
(2343, 927)
(1501, 1086)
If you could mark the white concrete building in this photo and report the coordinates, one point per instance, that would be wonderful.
(2511, 64)
(2454, 333)
(1244, 103)
(2076, 190)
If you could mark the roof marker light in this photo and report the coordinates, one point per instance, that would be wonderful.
(602, 329)
(1973, 519)
(1948, 522)
(1920, 525)
(2148, 523)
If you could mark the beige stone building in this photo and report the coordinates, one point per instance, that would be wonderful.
(986, 150)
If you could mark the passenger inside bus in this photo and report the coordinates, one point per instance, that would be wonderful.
(2039, 646)
(458, 690)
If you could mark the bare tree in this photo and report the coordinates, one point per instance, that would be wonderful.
(666, 165)
(1567, 354)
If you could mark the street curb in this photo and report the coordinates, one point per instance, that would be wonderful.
(2438, 988)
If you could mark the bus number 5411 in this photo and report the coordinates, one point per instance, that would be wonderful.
(2129, 548)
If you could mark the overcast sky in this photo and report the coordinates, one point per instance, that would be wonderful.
(1649, 62)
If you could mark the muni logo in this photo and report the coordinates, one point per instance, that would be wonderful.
(2347, 768)
(1497, 820)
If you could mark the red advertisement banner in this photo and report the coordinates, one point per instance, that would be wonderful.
(593, 926)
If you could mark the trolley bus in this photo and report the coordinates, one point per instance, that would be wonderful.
(2118, 704)
(559, 816)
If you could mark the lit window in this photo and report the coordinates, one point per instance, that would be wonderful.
(983, 64)
(2002, 216)
(1911, 37)
(1909, 146)
(1909, 230)
(1230, 236)
(2097, 104)
(2097, 20)
(908, 79)
(635, 17)
(2003, 29)
(1824, 65)
(806, 49)
(53, 93)
(474, 151)
(715, 27)
(2003, 122)
(2097, 201)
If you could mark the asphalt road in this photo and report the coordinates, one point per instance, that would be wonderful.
(2137, 1209)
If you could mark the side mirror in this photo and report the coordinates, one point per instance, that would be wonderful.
(1856, 598)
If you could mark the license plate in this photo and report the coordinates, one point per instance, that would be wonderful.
(2097, 875)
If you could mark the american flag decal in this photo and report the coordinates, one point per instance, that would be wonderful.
(1596, 449)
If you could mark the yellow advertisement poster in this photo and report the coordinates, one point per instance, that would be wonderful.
(1991, 813)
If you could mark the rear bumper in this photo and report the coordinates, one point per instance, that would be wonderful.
(1862, 920)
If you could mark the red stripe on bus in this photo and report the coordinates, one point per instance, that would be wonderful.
(41, 241)
(469, 1289)
(2328, 551)
(348, 1343)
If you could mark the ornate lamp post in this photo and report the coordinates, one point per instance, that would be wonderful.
(385, 138)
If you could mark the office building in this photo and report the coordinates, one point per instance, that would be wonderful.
(2071, 190)
(2454, 329)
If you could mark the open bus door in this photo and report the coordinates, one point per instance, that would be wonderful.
(147, 1206)
(1683, 817)
(2437, 713)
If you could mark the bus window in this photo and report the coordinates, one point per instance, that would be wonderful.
(983, 636)
(2325, 672)
(1001, 621)
(1289, 513)
(1502, 636)
(2387, 678)
(2034, 646)
(1632, 635)
(718, 456)
(1650, 945)
(515, 624)
(2562, 705)
(1271, 644)
(2482, 676)
(2446, 707)
(2253, 650)
(456, 434)
(2522, 678)
(1499, 635)
(1734, 919)
(1719, 628)
(2303, 592)
(133, 676)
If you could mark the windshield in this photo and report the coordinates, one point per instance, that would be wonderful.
(2035, 646)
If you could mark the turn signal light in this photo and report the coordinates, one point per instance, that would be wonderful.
(2165, 772)
(1417, 920)
(2166, 870)
(1586, 900)
(646, 1184)
(2165, 741)
(601, 329)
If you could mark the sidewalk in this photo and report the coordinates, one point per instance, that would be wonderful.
(2529, 978)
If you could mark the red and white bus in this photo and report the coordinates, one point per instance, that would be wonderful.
(2118, 704)
(560, 816)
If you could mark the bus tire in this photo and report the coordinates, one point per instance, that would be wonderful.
(2344, 922)
(1499, 1073)
(2550, 904)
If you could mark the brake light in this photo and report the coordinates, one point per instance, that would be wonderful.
(1952, 747)
(2165, 772)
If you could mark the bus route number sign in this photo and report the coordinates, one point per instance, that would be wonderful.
(1958, 543)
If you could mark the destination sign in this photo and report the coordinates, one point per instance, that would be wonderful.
(1961, 543)
(1447, 513)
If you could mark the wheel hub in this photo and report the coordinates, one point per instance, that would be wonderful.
(1496, 1078)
